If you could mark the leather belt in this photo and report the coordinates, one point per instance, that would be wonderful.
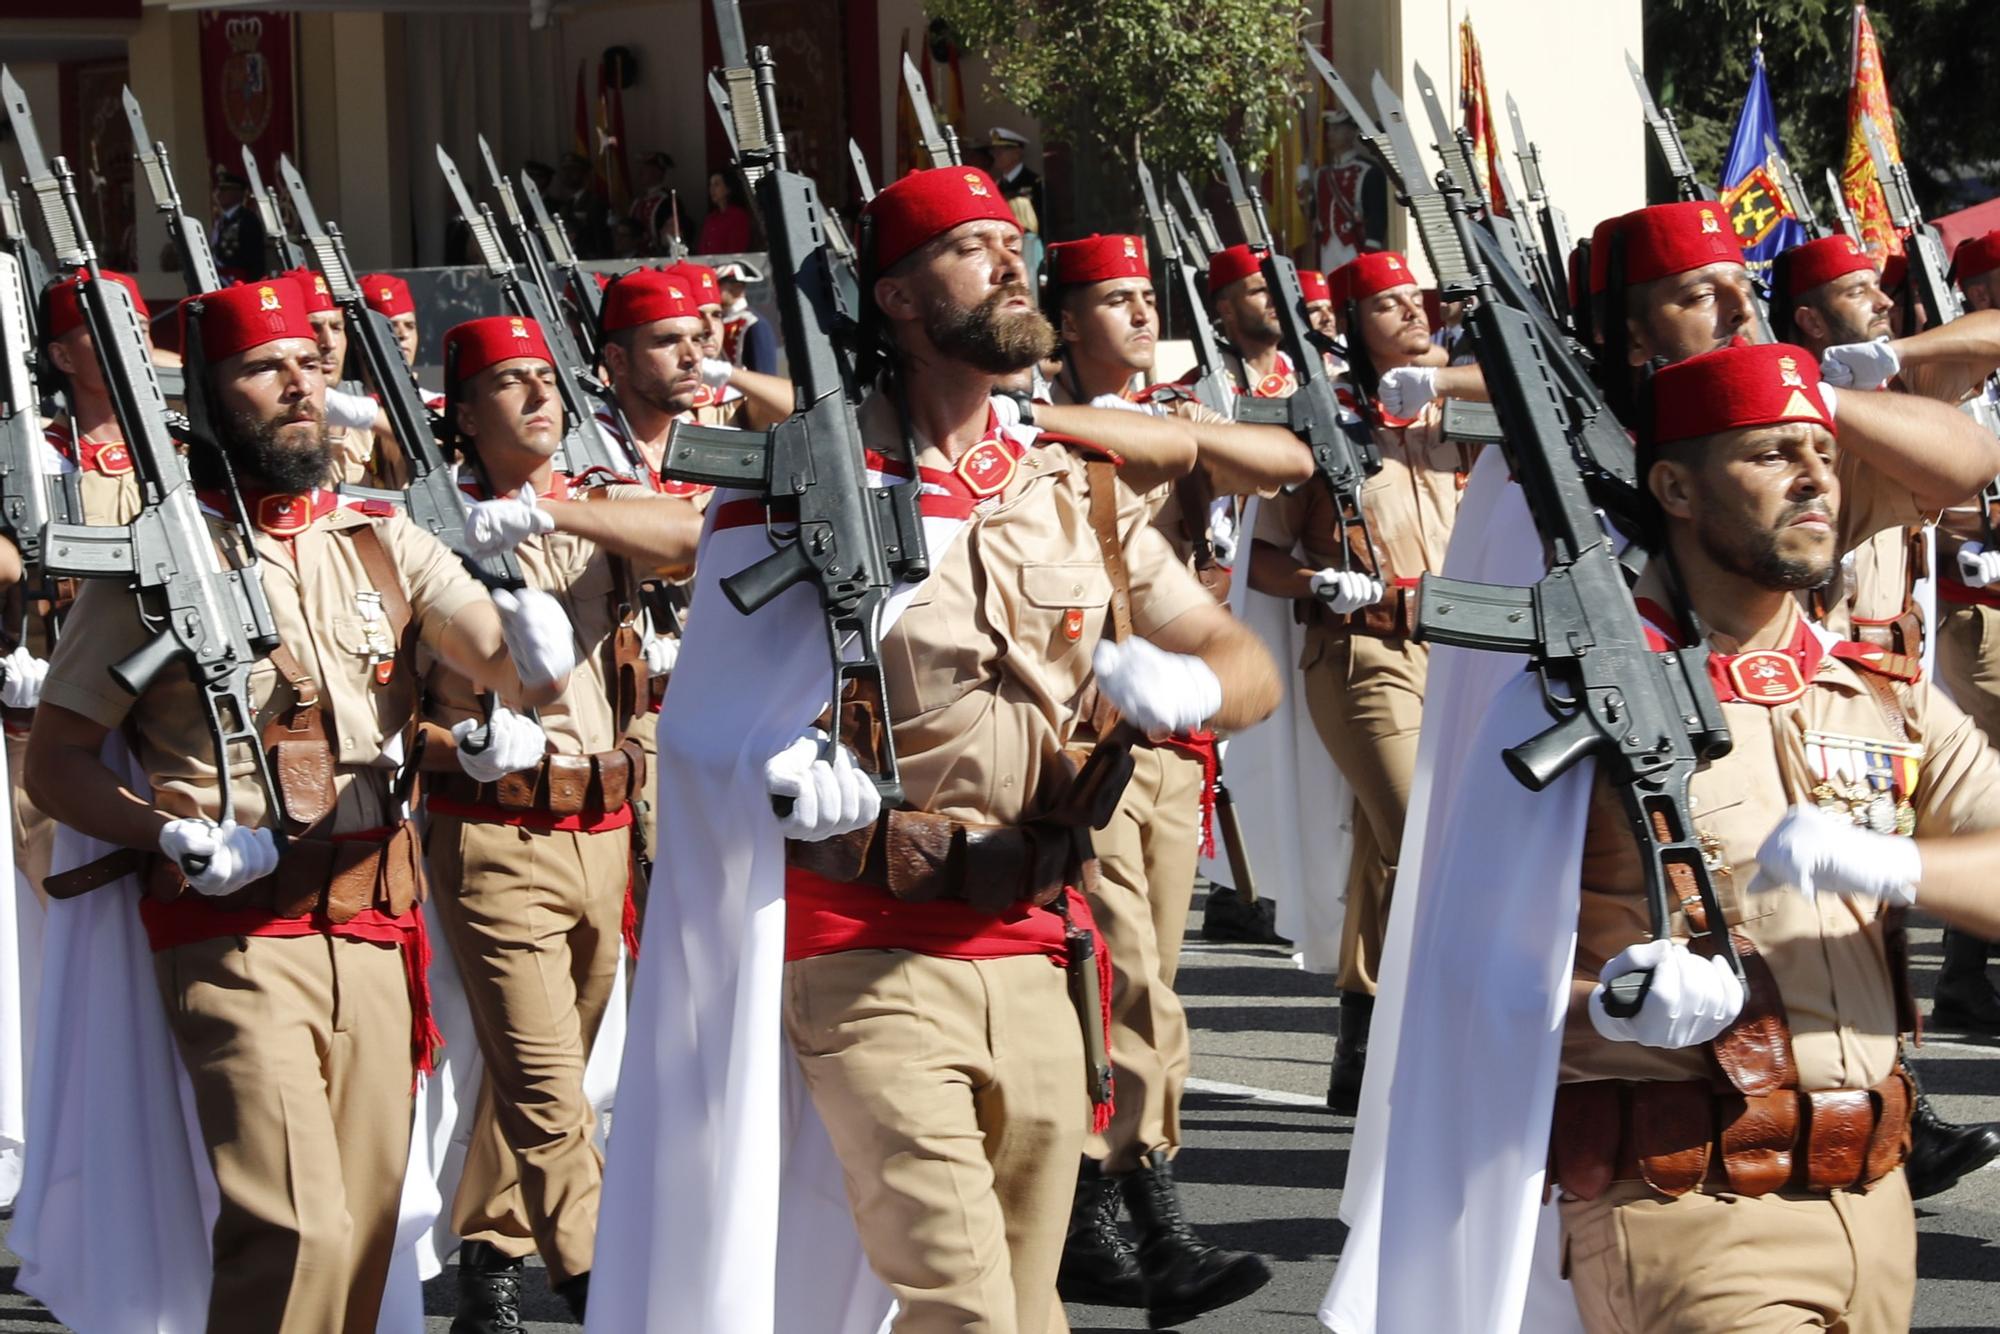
(918, 857)
(1394, 617)
(1674, 1136)
(340, 877)
(561, 785)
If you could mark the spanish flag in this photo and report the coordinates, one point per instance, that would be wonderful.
(1869, 96)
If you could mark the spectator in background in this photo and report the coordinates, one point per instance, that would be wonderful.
(747, 340)
(1023, 209)
(237, 236)
(578, 197)
(1010, 169)
(652, 209)
(726, 229)
(628, 240)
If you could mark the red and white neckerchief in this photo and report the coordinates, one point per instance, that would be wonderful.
(111, 458)
(1766, 676)
(283, 514)
(982, 472)
(1282, 377)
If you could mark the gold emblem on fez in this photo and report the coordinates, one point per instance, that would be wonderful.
(267, 298)
(1710, 225)
(518, 328)
(977, 186)
(1788, 373)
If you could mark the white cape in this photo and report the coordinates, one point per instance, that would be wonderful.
(113, 1219)
(1443, 1200)
(1295, 808)
(21, 926)
(724, 1207)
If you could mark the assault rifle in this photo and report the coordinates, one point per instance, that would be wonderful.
(30, 274)
(1837, 201)
(284, 249)
(1343, 458)
(202, 607)
(1211, 387)
(583, 452)
(941, 146)
(854, 542)
(190, 238)
(432, 498)
(1651, 718)
(39, 178)
(1555, 242)
(1454, 148)
(1197, 218)
(24, 488)
(1667, 138)
(1794, 192)
(527, 242)
(562, 255)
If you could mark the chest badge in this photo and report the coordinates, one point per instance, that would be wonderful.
(1869, 781)
(986, 468)
(1766, 676)
(1273, 385)
(1073, 624)
(375, 646)
(114, 460)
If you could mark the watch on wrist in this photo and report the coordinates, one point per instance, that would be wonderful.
(1024, 401)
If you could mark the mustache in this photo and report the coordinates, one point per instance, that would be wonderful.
(1799, 510)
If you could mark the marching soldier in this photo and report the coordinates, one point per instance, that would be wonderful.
(1249, 324)
(1099, 293)
(293, 984)
(354, 421)
(530, 825)
(958, 1160)
(389, 296)
(1364, 673)
(1347, 196)
(1733, 1160)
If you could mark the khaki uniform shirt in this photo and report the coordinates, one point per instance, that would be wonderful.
(1826, 954)
(315, 585)
(586, 580)
(107, 480)
(987, 666)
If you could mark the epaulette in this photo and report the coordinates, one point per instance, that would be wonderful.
(1083, 447)
(1871, 658)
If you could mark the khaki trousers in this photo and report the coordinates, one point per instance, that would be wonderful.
(1968, 662)
(299, 1053)
(1146, 860)
(953, 1092)
(34, 832)
(1366, 698)
(533, 920)
(1641, 1263)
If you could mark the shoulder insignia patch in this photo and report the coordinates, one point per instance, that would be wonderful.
(1868, 657)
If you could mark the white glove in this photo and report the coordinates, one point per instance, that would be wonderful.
(1860, 365)
(21, 687)
(715, 372)
(1812, 851)
(829, 797)
(538, 634)
(494, 526)
(353, 411)
(1977, 567)
(236, 855)
(1406, 389)
(1117, 403)
(1159, 692)
(514, 742)
(1691, 1000)
(662, 652)
(1222, 536)
(1345, 591)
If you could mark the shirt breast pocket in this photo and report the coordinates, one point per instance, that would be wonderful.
(1062, 609)
(927, 661)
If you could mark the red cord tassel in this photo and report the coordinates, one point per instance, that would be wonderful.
(426, 1041)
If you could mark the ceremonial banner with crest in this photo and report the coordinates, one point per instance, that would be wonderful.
(246, 91)
(1766, 222)
(1477, 110)
(1869, 96)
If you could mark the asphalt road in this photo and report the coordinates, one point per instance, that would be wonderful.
(1263, 1158)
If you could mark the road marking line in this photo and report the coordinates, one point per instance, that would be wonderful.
(1278, 1096)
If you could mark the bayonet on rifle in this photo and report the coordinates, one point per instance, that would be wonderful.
(1212, 388)
(851, 540)
(942, 152)
(29, 271)
(64, 242)
(1454, 148)
(1197, 218)
(1837, 201)
(198, 269)
(285, 249)
(1250, 220)
(25, 498)
(862, 180)
(1796, 202)
(1667, 138)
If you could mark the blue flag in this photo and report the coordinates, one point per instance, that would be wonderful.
(1757, 208)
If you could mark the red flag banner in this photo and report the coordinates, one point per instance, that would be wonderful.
(1869, 96)
(246, 82)
(1477, 110)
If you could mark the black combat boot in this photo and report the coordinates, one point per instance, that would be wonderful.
(1350, 1053)
(575, 1290)
(1940, 1152)
(489, 1291)
(1185, 1276)
(1964, 998)
(1098, 1267)
(1227, 919)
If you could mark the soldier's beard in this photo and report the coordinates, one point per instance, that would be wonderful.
(1754, 552)
(285, 456)
(988, 338)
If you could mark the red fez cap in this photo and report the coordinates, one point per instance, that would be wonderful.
(1233, 266)
(66, 301)
(1662, 240)
(386, 294)
(1365, 275)
(1817, 263)
(927, 204)
(1097, 259)
(313, 287)
(1314, 285)
(645, 295)
(703, 286)
(1977, 257)
(1743, 385)
(471, 347)
(248, 315)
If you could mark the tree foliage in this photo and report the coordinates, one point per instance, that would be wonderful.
(1168, 75)
(1942, 58)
